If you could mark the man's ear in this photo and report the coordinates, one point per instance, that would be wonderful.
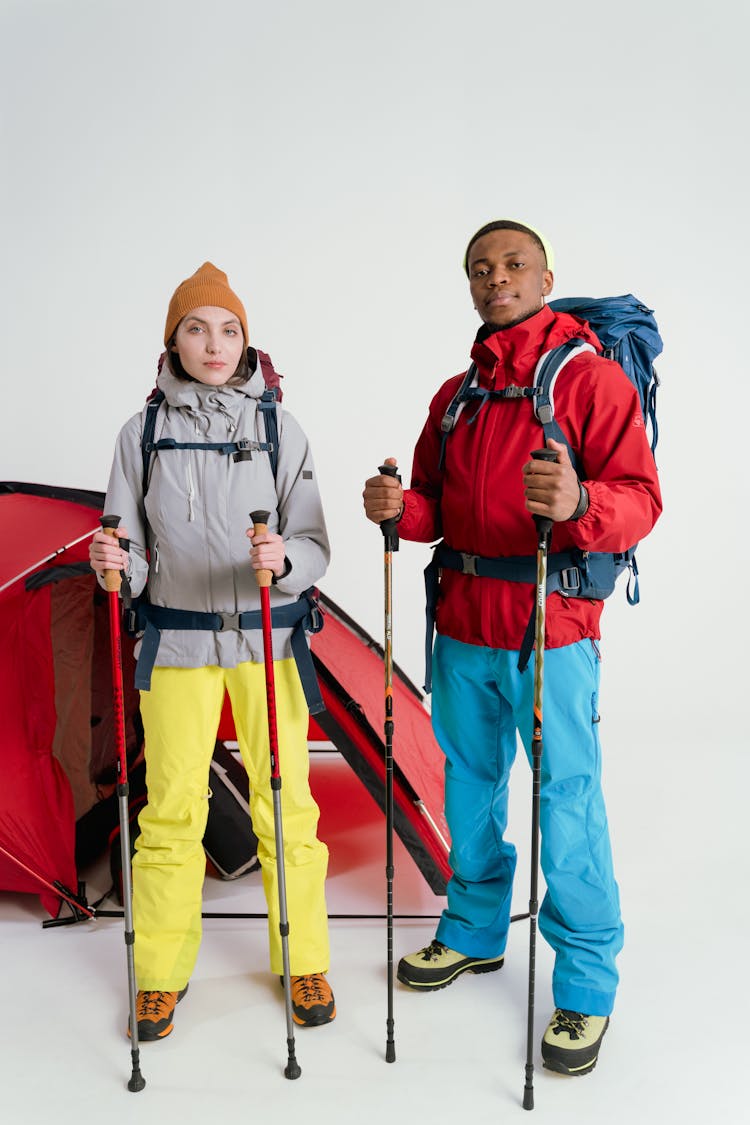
(549, 281)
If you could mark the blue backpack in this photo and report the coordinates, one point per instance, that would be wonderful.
(628, 334)
(627, 331)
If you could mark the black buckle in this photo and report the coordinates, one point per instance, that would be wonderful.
(469, 564)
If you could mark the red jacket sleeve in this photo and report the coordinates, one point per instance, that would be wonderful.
(614, 458)
(421, 520)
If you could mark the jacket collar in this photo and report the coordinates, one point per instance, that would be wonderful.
(200, 396)
(511, 354)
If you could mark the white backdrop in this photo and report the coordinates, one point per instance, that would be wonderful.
(333, 158)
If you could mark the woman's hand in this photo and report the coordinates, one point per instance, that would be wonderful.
(267, 552)
(106, 554)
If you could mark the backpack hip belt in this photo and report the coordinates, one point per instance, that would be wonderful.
(302, 617)
(573, 573)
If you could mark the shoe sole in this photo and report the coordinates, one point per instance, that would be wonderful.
(316, 1021)
(569, 1071)
(434, 986)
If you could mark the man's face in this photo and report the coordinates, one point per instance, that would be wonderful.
(508, 277)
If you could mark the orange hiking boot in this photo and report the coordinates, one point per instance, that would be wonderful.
(312, 1000)
(154, 1012)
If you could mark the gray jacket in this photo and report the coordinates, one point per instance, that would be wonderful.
(187, 539)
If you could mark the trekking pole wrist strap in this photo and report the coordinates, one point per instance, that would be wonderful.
(583, 503)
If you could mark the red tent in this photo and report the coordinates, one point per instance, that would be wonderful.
(56, 736)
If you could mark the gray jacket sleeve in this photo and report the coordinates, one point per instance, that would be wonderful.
(301, 520)
(125, 499)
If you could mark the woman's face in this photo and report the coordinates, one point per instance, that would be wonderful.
(210, 344)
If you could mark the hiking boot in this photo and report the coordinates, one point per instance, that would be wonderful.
(154, 1011)
(312, 1000)
(571, 1042)
(436, 966)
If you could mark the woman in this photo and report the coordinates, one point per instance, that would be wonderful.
(186, 521)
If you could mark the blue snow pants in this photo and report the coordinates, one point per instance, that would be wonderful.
(480, 700)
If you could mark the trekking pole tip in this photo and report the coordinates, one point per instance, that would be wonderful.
(137, 1081)
(292, 1069)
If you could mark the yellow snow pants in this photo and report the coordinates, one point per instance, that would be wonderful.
(181, 716)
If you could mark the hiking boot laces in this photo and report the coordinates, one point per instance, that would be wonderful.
(154, 1004)
(311, 987)
(432, 951)
(574, 1023)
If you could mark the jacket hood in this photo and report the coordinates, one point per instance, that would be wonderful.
(519, 348)
(197, 396)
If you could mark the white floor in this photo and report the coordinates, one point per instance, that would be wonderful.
(674, 1051)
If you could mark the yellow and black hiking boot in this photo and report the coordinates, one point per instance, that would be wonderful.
(154, 1012)
(312, 1000)
(437, 966)
(571, 1042)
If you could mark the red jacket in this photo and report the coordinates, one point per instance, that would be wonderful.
(476, 501)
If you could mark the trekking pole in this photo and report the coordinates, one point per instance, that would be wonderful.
(543, 529)
(112, 582)
(390, 544)
(264, 578)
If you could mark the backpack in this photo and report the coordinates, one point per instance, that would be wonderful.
(628, 333)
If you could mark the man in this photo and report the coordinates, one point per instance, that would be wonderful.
(478, 488)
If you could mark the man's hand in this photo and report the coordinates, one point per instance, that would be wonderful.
(551, 488)
(383, 496)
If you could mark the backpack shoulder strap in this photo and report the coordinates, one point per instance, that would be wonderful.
(454, 408)
(148, 431)
(548, 368)
(267, 406)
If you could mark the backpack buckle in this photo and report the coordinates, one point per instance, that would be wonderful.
(570, 579)
(228, 621)
(469, 564)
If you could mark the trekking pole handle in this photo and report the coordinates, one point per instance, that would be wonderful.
(388, 527)
(112, 578)
(543, 524)
(260, 527)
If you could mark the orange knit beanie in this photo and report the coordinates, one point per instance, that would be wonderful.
(207, 286)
